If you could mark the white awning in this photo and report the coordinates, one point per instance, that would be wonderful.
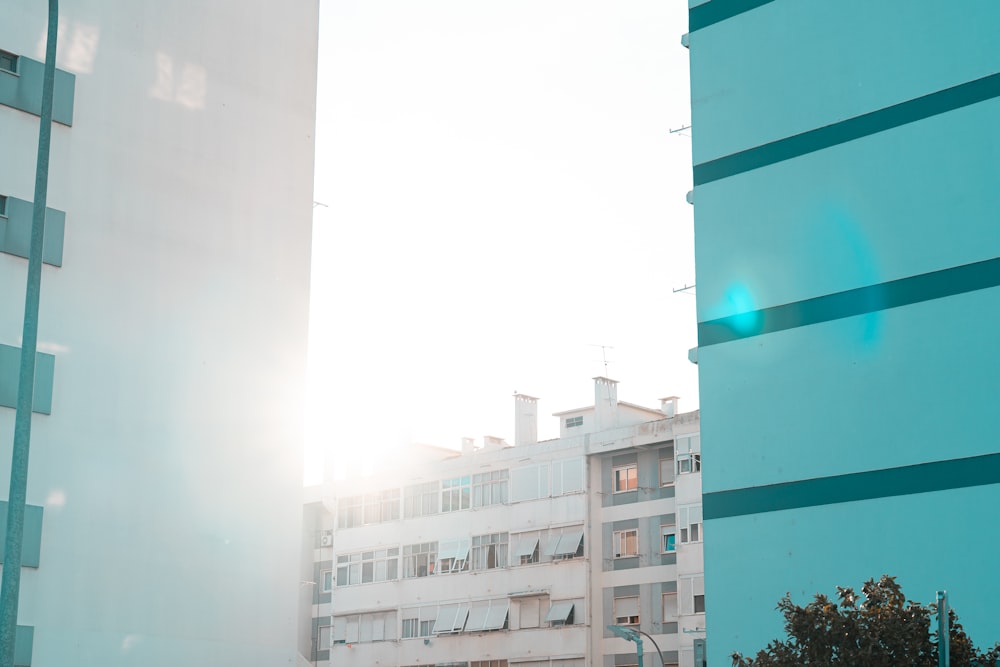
(568, 543)
(497, 616)
(451, 618)
(526, 546)
(559, 612)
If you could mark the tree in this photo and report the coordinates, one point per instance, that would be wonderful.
(878, 628)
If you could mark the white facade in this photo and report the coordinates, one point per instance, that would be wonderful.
(503, 555)
(169, 468)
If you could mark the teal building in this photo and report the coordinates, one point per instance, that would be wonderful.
(847, 222)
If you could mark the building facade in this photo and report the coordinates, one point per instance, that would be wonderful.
(166, 466)
(506, 555)
(847, 270)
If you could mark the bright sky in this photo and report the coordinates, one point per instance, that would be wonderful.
(501, 194)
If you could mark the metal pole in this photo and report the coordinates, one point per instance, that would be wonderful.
(10, 587)
(638, 650)
(662, 662)
(944, 660)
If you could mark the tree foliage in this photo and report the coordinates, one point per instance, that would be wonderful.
(878, 628)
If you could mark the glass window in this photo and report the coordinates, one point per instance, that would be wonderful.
(627, 610)
(626, 478)
(490, 488)
(626, 543)
(666, 471)
(419, 559)
(421, 499)
(456, 494)
(368, 567)
(690, 524)
(668, 539)
(8, 61)
(490, 551)
(573, 422)
(326, 581)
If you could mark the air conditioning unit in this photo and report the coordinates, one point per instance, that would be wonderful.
(326, 540)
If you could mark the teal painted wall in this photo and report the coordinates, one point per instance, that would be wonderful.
(10, 362)
(873, 125)
(15, 231)
(24, 90)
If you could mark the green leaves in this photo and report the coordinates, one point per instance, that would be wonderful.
(878, 628)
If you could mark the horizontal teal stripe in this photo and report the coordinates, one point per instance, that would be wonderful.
(715, 11)
(920, 478)
(867, 124)
(893, 294)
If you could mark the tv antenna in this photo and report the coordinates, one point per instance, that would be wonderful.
(681, 130)
(604, 355)
(684, 290)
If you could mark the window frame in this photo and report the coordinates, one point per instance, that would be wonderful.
(574, 422)
(620, 542)
(628, 618)
(458, 492)
(632, 468)
(668, 530)
(14, 60)
(327, 580)
(3, 206)
(690, 532)
(482, 545)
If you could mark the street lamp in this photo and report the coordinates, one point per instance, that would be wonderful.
(632, 634)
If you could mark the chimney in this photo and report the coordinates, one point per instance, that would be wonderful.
(468, 445)
(605, 403)
(668, 406)
(525, 419)
(493, 442)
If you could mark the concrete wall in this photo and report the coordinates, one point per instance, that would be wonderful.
(170, 466)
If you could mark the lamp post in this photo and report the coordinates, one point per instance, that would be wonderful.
(10, 588)
(632, 634)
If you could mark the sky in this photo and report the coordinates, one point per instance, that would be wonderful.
(499, 194)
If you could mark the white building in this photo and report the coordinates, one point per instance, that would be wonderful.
(516, 555)
(164, 488)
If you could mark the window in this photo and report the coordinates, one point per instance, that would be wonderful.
(669, 607)
(529, 483)
(324, 638)
(567, 476)
(367, 509)
(418, 621)
(690, 524)
(692, 594)
(525, 548)
(367, 567)
(566, 543)
(489, 551)
(529, 612)
(326, 581)
(3, 205)
(349, 512)
(626, 543)
(453, 556)
(688, 453)
(688, 463)
(421, 499)
(8, 61)
(456, 494)
(666, 470)
(488, 663)
(363, 628)
(561, 613)
(668, 539)
(487, 615)
(419, 559)
(573, 422)
(489, 488)
(626, 478)
(451, 618)
(627, 611)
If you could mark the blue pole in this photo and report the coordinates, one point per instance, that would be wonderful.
(10, 587)
(944, 660)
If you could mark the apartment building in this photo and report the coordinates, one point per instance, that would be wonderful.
(522, 554)
(848, 263)
(166, 465)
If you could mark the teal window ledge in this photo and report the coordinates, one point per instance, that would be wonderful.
(24, 640)
(31, 546)
(10, 370)
(15, 231)
(23, 90)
